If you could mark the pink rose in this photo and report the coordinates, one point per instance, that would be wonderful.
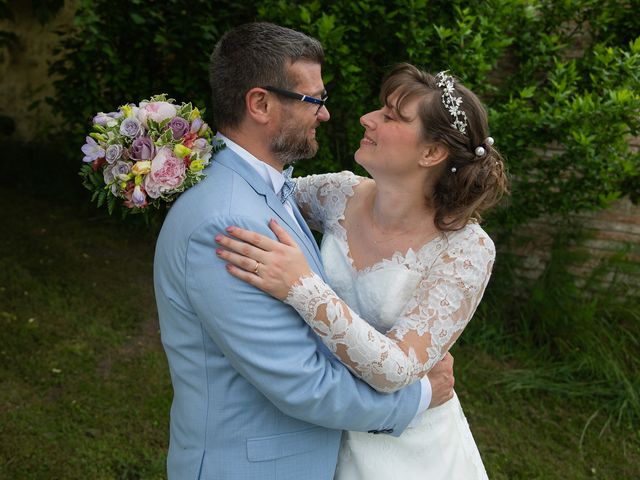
(156, 111)
(167, 173)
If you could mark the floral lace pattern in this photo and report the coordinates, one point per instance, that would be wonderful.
(454, 270)
(322, 199)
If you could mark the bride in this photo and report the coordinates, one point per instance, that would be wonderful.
(406, 259)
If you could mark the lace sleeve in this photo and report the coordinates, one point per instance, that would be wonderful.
(432, 320)
(322, 198)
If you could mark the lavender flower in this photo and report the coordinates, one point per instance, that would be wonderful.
(196, 124)
(130, 127)
(114, 152)
(92, 151)
(179, 126)
(102, 119)
(203, 148)
(142, 148)
(108, 119)
(203, 129)
(201, 144)
(138, 197)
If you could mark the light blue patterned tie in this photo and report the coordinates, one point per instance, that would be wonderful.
(289, 185)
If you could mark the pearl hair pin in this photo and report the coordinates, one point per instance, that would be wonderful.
(480, 151)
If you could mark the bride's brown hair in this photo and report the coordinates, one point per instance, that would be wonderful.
(468, 183)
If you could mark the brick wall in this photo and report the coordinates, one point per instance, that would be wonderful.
(608, 237)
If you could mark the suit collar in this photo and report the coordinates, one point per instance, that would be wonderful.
(233, 161)
(269, 174)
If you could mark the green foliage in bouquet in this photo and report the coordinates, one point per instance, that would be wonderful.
(560, 78)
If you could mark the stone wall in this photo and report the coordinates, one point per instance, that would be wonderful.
(23, 69)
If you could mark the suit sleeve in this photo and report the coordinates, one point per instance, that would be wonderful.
(268, 343)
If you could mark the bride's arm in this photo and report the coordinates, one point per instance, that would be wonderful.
(323, 197)
(434, 318)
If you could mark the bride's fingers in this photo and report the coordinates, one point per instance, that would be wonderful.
(282, 234)
(250, 278)
(241, 248)
(240, 261)
(255, 239)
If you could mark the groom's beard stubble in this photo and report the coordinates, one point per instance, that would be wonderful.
(293, 143)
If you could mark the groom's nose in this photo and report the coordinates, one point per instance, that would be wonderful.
(323, 114)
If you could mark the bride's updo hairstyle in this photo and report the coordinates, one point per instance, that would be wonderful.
(472, 178)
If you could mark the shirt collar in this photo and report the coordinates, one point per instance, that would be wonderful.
(270, 175)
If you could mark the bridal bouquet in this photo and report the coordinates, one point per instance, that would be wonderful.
(144, 155)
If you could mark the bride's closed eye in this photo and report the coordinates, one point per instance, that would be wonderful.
(387, 115)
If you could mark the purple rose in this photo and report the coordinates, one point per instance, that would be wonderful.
(179, 126)
(119, 171)
(130, 127)
(142, 148)
(92, 150)
(114, 152)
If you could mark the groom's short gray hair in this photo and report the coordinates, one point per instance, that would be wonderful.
(254, 55)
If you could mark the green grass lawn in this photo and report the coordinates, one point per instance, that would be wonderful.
(85, 389)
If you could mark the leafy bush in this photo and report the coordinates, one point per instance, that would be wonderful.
(564, 74)
(122, 51)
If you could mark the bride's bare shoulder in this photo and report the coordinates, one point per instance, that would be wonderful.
(364, 186)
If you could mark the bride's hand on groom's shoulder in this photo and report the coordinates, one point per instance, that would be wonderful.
(272, 266)
(442, 381)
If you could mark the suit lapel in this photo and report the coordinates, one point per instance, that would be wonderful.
(231, 160)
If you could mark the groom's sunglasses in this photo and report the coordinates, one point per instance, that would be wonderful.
(299, 96)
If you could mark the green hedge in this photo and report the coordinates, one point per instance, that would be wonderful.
(562, 73)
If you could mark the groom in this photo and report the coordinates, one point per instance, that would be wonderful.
(256, 394)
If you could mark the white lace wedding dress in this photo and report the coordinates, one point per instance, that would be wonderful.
(431, 292)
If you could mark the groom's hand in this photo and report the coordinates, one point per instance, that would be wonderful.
(441, 379)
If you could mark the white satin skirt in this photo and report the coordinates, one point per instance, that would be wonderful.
(439, 447)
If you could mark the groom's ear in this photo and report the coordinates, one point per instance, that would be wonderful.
(259, 105)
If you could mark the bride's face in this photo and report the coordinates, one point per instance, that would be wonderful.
(390, 143)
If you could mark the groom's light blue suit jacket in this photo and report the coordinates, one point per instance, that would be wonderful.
(256, 395)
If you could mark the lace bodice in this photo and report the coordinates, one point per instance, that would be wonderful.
(391, 322)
